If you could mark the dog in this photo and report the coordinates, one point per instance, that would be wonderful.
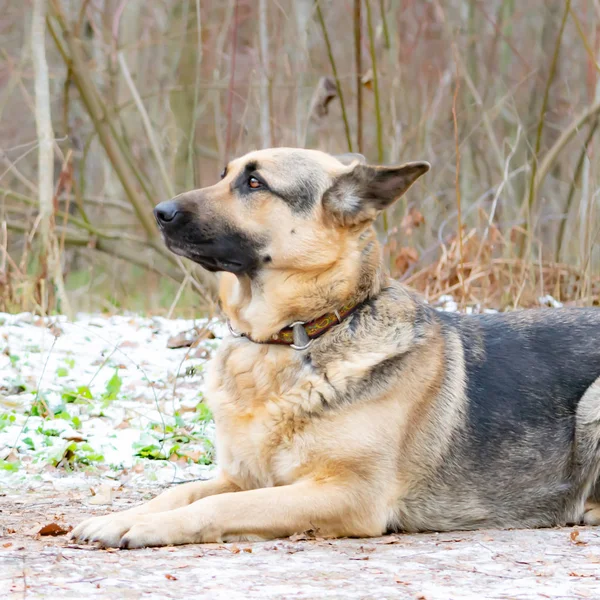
(347, 406)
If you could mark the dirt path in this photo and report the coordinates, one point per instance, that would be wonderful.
(555, 563)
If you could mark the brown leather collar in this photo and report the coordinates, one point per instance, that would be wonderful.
(300, 335)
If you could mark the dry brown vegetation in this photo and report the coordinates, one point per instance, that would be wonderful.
(150, 98)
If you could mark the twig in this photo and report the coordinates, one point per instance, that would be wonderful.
(538, 142)
(98, 116)
(569, 202)
(378, 120)
(505, 179)
(338, 85)
(565, 137)
(191, 180)
(265, 108)
(457, 179)
(586, 43)
(386, 32)
(358, 68)
(234, 37)
(147, 124)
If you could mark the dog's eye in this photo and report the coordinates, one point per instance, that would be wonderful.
(254, 183)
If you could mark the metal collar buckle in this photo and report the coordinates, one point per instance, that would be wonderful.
(301, 339)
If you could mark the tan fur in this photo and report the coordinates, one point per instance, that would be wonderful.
(318, 439)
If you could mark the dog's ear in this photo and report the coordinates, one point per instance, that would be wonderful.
(349, 157)
(359, 195)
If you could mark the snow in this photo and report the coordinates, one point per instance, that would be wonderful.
(41, 360)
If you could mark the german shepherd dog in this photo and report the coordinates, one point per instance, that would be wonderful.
(344, 404)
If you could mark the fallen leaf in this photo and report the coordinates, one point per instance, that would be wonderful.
(305, 535)
(249, 550)
(75, 437)
(8, 544)
(390, 539)
(128, 344)
(185, 339)
(103, 496)
(171, 577)
(575, 538)
(54, 529)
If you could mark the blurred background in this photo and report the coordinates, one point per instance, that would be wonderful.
(109, 106)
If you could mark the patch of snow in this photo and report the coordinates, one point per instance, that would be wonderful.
(107, 387)
(549, 301)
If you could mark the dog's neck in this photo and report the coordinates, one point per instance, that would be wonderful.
(261, 306)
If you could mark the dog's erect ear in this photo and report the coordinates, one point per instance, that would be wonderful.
(349, 157)
(359, 195)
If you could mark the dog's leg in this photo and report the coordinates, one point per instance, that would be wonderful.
(591, 515)
(588, 436)
(329, 510)
(110, 528)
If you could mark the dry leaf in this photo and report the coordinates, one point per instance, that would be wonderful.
(170, 577)
(201, 353)
(305, 535)
(575, 538)
(102, 496)
(128, 344)
(75, 437)
(181, 340)
(413, 219)
(53, 529)
(324, 93)
(406, 257)
(367, 79)
(185, 339)
(390, 539)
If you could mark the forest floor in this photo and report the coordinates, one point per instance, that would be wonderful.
(551, 563)
(102, 413)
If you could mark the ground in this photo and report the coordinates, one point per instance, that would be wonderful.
(550, 563)
(104, 412)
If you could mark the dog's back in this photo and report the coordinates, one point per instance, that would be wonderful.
(526, 452)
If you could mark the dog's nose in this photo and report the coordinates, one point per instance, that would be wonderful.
(165, 212)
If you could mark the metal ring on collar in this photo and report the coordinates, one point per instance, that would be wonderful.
(233, 332)
(301, 339)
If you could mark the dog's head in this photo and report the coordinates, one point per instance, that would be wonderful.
(281, 209)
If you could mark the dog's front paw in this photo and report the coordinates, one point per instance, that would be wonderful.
(147, 533)
(107, 530)
(592, 513)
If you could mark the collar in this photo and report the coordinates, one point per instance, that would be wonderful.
(300, 335)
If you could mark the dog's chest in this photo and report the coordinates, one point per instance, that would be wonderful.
(261, 396)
